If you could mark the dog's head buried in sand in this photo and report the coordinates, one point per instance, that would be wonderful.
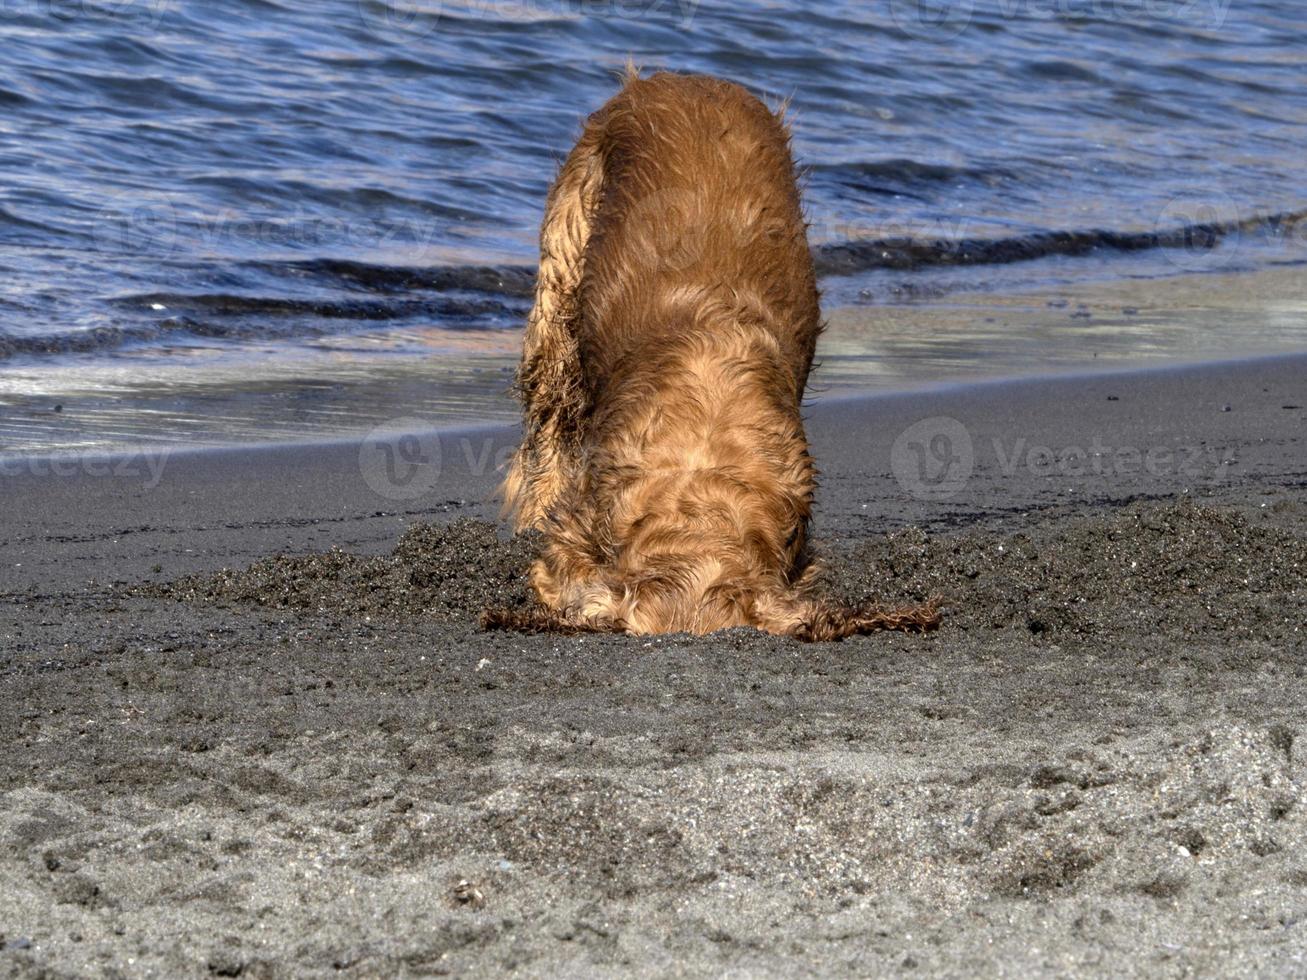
(662, 372)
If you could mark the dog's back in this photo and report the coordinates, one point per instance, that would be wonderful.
(699, 213)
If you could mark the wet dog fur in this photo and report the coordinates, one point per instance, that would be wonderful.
(665, 358)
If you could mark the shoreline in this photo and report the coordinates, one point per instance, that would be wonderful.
(961, 387)
(238, 490)
(354, 382)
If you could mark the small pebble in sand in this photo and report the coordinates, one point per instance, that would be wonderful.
(466, 893)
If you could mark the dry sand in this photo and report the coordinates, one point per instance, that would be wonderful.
(317, 766)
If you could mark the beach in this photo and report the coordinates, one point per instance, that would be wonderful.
(251, 728)
(264, 275)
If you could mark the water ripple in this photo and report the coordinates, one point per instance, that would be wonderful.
(255, 164)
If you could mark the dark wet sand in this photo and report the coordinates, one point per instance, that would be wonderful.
(318, 766)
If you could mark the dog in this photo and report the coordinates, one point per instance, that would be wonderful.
(665, 358)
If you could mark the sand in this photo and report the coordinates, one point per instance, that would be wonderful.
(250, 727)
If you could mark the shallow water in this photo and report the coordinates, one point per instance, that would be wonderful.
(304, 198)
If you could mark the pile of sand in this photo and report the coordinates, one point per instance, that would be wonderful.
(1174, 568)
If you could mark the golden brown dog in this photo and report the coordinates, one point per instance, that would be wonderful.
(662, 372)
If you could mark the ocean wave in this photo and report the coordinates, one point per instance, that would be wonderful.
(490, 297)
(503, 280)
(849, 257)
(449, 309)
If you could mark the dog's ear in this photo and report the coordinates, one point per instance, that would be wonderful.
(814, 620)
